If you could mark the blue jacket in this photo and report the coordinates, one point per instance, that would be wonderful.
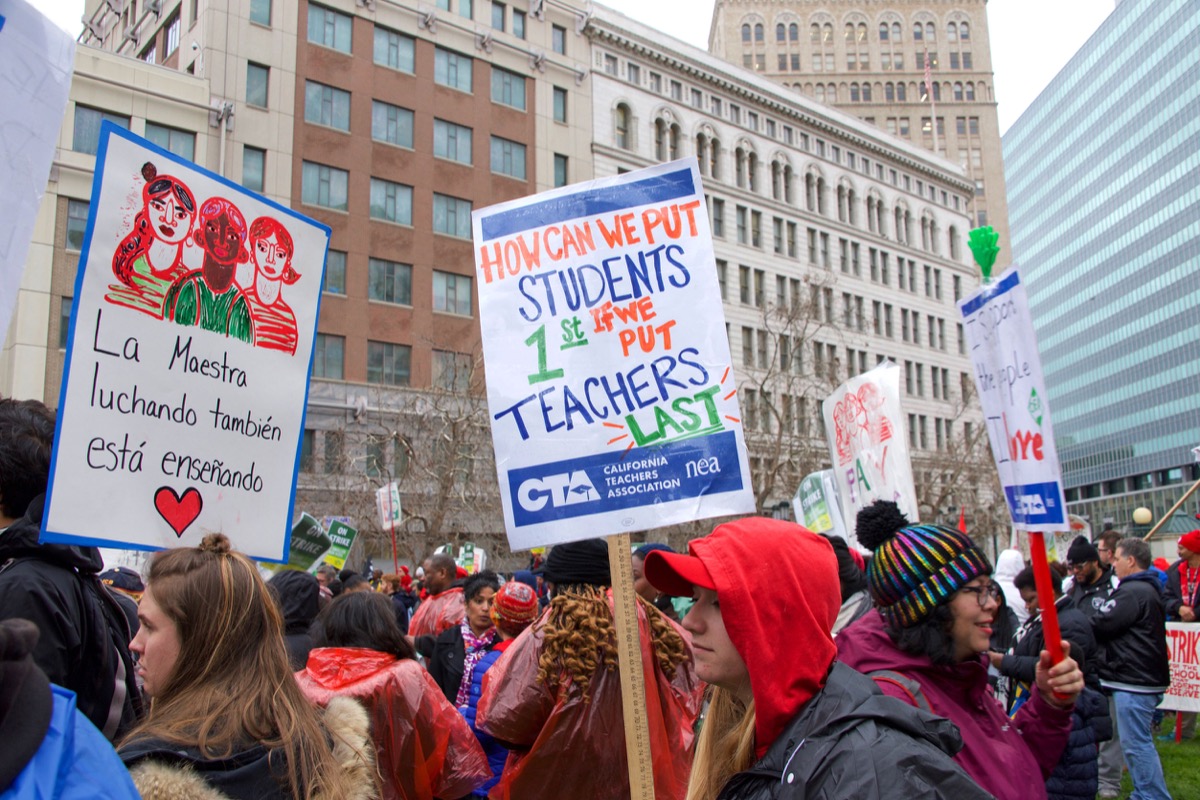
(74, 762)
(1077, 775)
(496, 753)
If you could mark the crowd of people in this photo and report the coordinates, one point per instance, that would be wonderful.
(778, 663)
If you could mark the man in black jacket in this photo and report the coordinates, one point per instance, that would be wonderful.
(1131, 626)
(84, 641)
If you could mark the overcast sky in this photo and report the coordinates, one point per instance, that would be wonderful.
(1031, 39)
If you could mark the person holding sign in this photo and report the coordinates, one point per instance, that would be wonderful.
(786, 720)
(924, 644)
(555, 698)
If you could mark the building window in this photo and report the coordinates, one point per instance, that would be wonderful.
(560, 104)
(86, 137)
(451, 141)
(260, 11)
(323, 186)
(328, 356)
(394, 50)
(560, 170)
(181, 143)
(452, 69)
(498, 15)
(257, 80)
(508, 157)
(335, 443)
(172, 35)
(329, 28)
(558, 39)
(326, 105)
(518, 24)
(150, 56)
(77, 216)
(391, 201)
(254, 167)
(451, 371)
(451, 216)
(451, 293)
(335, 272)
(466, 8)
(64, 322)
(389, 282)
(391, 124)
(307, 454)
(611, 66)
(508, 88)
(621, 125)
(388, 363)
(633, 74)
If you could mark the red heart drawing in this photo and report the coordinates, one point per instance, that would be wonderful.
(179, 512)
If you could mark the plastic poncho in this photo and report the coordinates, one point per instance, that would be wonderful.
(437, 613)
(424, 748)
(566, 745)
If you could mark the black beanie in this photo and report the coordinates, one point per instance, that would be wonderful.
(1082, 551)
(583, 562)
(25, 699)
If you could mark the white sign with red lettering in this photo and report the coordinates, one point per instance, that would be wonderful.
(1183, 642)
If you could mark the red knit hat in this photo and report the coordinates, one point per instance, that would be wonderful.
(514, 607)
(1191, 540)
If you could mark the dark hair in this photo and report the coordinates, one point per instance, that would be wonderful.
(1110, 539)
(1133, 546)
(26, 440)
(930, 637)
(361, 619)
(1025, 580)
(440, 561)
(353, 582)
(479, 581)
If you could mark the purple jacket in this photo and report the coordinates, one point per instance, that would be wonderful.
(1009, 758)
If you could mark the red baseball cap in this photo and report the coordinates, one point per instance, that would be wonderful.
(676, 574)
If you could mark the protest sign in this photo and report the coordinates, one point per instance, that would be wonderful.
(1183, 641)
(308, 544)
(816, 505)
(1012, 392)
(387, 502)
(36, 59)
(186, 376)
(608, 372)
(341, 537)
(865, 427)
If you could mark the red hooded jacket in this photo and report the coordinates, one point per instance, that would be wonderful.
(436, 614)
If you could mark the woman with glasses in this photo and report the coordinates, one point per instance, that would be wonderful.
(925, 645)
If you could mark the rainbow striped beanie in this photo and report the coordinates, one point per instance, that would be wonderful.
(916, 568)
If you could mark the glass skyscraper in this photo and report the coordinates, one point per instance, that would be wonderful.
(1103, 174)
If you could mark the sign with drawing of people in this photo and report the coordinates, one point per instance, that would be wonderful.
(609, 380)
(186, 376)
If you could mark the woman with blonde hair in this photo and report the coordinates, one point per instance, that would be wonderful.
(227, 719)
(554, 699)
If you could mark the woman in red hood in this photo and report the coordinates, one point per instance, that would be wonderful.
(423, 746)
(925, 644)
(785, 719)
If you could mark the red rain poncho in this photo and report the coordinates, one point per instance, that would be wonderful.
(423, 746)
(566, 747)
(437, 613)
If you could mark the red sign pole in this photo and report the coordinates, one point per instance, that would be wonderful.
(1041, 577)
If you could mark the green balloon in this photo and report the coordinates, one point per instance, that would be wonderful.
(983, 244)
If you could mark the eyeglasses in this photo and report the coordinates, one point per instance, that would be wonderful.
(984, 594)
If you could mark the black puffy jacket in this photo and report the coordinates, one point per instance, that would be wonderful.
(1021, 663)
(1131, 627)
(1077, 776)
(851, 741)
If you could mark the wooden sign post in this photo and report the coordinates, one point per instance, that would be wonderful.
(629, 661)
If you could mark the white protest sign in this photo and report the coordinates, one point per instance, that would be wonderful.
(817, 507)
(36, 59)
(184, 391)
(1008, 375)
(865, 426)
(387, 502)
(1183, 646)
(608, 372)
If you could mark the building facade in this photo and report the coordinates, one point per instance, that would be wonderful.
(868, 59)
(837, 246)
(1103, 193)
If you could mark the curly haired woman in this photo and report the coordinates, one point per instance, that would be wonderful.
(555, 697)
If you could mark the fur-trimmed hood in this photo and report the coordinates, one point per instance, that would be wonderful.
(172, 775)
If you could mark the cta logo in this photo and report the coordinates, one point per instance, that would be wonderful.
(1030, 504)
(563, 489)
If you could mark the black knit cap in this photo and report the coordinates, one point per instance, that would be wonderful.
(584, 562)
(25, 699)
(1082, 551)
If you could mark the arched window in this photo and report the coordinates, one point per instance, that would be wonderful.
(819, 92)
(673, 142)
(964, 32)
(739, 164)
(827, 33)
(901, 94)
(895, 31)
(852, 206)
(958, 92)
(660, 139)
(918, 32)
(780, 32)
(810, 191)
(930, 32)
(702, 152)
(714, 158)
(854, 95)
(752, 171)
(831, 93)
(866, 92)
(849, 33)
(746, 32)
(883, 31)
(862, 31)
(889, 92)
(822, 197)
(970, 91)
(758, 32)
(814, 34)
(622, 120)
(793, 32)
(952, 32)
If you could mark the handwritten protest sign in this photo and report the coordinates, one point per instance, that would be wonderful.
(865, 426)
(1183, 643)
(387, 503)
(36, 59)
(816, 505)
(1008, 375)
(608, 372)
(186, 377)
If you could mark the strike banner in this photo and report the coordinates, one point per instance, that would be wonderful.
(609, 379)
(816, 505)
(1183, 639)
(186, 377)
(865, 427)
(1012, 391)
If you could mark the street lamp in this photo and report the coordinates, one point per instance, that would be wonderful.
(1142, 517)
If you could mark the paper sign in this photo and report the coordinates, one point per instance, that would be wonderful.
(1008, 375)
(341, 537)
(36, 59)
(609, 379)
(865, 426)
(1183, 644)
(186, 377)
(308, 544)
(387, 502)
(816, 505)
